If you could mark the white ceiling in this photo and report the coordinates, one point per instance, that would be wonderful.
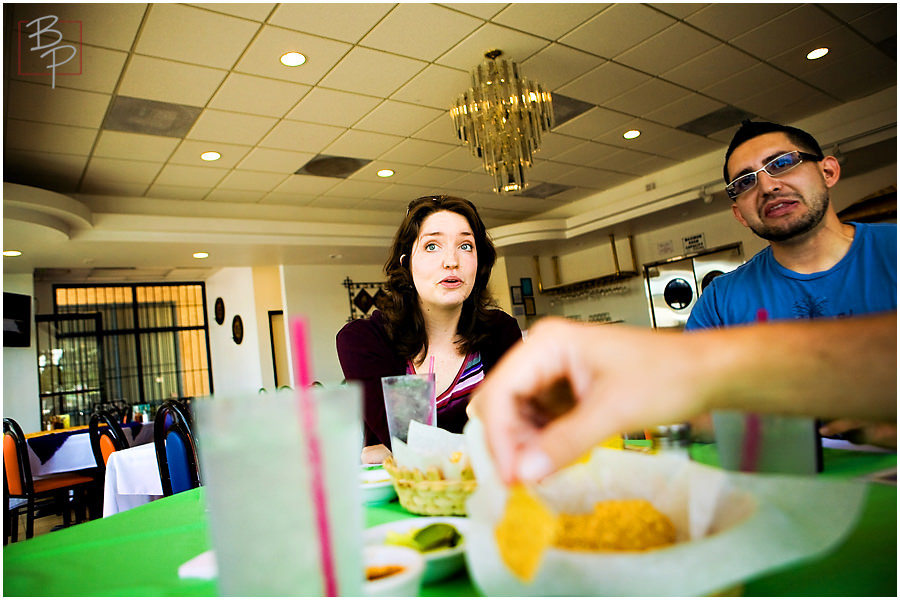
(377, 85)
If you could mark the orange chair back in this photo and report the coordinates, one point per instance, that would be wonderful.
(11, 464)
(107, 447)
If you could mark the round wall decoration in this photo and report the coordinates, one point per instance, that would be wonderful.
(237, 329)
(220, 311)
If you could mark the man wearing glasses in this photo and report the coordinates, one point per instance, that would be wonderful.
(815, 266)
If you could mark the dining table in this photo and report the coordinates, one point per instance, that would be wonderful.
(138, 552)
(69, 449)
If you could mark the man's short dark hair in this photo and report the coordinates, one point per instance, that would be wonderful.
(751, 129)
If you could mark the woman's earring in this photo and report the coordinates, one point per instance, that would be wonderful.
(402, 256)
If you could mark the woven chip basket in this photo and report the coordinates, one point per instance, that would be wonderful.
(429, 493)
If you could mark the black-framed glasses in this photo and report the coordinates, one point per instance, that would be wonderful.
(776, 167)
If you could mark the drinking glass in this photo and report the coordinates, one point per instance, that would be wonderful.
(407, 398)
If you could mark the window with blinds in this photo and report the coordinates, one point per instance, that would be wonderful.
(154, 339)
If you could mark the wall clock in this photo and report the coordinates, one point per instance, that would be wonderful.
(237, 329)
(220, 311)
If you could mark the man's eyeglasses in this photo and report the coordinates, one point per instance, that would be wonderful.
(774, 168)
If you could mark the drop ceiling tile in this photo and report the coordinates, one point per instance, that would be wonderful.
(189, 151)
(556, 65)
(482, 11)
(605, 82)
(548, 170)
(416, 151)
(678, 10)
(309, 185)
(300, 137)
(112, 144)
(177, 192)
(188, 34)
(684, 110)
(331, 107)
(879, 24)
(469, 53)
(648, 96)
(183, 175)
(435, 86)
(597, 179)
(67, 166)
(95, 70)
(547, 20)
(667, 49)
(398, 118)
(235, 196)
(439, 130)
(422, 31)
(247, 10)
(362, 144)
(113, 188)
(473, 181)
(287, 199)
(726, 20)
(258, 95)
(230, 128)
(252, 180)
(579, 155)
(355, 73)
(622, 160)
(710, 67)
(335, 202)
(616, 29)
(652, 164)
(840, 43)
(62, 106)
(351, 188)
(555, 143)
(164, 81)
(263, 54)
(855, 75)
(46, 137)
(126, 171)
(458, 159)
(734, 89)
(593, 123)
(347, 22)
(369, 173)
(432, 176)
(275, 161)
(107, 25)
(787, 31)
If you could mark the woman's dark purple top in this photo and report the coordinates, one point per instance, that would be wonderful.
(367, 355)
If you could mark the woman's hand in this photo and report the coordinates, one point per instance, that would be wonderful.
(372, 455)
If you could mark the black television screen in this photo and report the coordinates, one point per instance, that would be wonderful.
(16, 320)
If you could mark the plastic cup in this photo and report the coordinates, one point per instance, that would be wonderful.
(408, 398)
(783, 444)
(284, 520)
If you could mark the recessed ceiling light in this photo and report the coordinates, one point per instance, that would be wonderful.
(631, 134)
(201, 254)
(211, 155)
(385, 173)
(292, 59)
(817, 53)
(11, 253)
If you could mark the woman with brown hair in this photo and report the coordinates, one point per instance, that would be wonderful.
(438, 309)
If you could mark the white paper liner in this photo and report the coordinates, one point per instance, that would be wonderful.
(731, 526)
(429, 446)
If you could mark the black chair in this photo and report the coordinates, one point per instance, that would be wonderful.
(176, 452)
(105, 440)
(19, 483)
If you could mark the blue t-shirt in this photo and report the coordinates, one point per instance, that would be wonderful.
(863, 281)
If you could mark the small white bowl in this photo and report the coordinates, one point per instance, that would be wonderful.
(376, 486)
(404, 584)
(439, 564)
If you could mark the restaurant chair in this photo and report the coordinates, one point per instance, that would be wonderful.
(19, 483)
(105, 440)
(176, 452)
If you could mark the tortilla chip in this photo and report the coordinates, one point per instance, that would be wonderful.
(525, 531)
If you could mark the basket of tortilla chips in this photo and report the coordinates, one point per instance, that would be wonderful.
(431, 472)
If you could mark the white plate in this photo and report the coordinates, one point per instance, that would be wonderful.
(376, 485)
(439, 564)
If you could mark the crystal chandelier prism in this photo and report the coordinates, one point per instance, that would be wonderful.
(501, 118)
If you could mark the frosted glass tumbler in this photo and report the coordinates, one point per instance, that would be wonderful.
(783, 445)
(408, 398)
(282, 522)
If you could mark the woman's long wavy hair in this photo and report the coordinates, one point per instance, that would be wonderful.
(405, 322)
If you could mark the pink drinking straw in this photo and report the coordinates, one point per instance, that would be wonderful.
(752, 425)
(433, 418)
(308, 423)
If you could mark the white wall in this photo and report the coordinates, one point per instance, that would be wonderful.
(21, 394)
(235, 367)
(267, 297)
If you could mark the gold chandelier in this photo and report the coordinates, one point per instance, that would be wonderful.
(501, 118)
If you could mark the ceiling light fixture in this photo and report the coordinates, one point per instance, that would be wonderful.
(501, 118)
(292, 59)
(385, 173)
(631, 134)
(201, 255)
(817, 53)
(11, 253)
(212, 155)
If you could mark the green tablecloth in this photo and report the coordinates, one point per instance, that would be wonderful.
(138, 552)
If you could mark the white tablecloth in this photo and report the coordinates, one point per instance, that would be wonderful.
(132, 479)
(75, 453)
